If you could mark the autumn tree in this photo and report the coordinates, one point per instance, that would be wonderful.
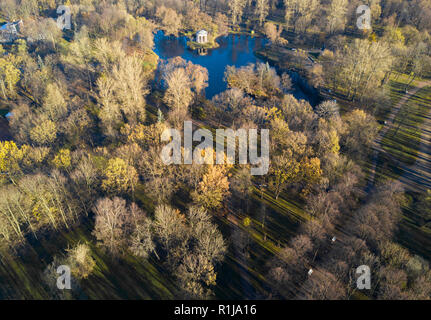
(359, 67)
(273, 32)
(80, 261)
(169, 19)
(111, 225)
(178, 95)
(361, 132)
(261, 10)
(119, 176)
(169, 225)
(121, 94)
(9, 75)
(213, 188)
(336, 15)
(236, 8)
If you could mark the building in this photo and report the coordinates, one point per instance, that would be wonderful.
(202, 37)
(10, 31)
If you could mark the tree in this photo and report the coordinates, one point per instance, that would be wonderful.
(195, 274)
(62, 159)
(284, 170)
(361, 132)
(236, 10)
(9, 76)
(80, 261)
(169, 225)
(273, 32)
(259, 80)
(242, 185)
(11, 156)
(286, 82)
(261, 10)
(312, 173)
(169, 19)
(54, 105)
(300, 13)
(34, 203)
(424, 206)
(213, 188)
(111, 224)
(222, 22)
(316, 75)
(44, 131)
(322, 285)
(119, 176)
(43, 30)
(141, 239)
(49, 279)
(130, 88)
(359, 67)
(210, 242)
(198, 77)
(328, 109)
(196, 271)
(122, 94)
(336, 15)
(178, 95)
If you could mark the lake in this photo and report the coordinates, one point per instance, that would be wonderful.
(233, 50)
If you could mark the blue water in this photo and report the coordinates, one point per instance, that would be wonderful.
(234, 50)
(237, 50)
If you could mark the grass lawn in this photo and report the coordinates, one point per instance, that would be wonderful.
(132, 278)
(413, 233)
(129, 278)
(403, 141)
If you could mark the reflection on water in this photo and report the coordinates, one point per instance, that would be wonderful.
(235, 50)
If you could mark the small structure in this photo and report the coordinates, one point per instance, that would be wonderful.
(202, 37)
(310, 272)
(8, 116)
(10, 31)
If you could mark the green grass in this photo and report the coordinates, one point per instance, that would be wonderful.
(132, 278)
(129, 278)
(283, 217)
(412, 233)
(403, 141)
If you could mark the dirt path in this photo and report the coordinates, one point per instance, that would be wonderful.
(377, 146)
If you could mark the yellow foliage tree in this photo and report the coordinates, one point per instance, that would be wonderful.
(312, 173)
(11, 156)
(62, 159)
(9, 76)
(44, 132)
(119, 176)
(213, 188)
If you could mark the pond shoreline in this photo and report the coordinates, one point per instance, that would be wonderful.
(233, 49)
